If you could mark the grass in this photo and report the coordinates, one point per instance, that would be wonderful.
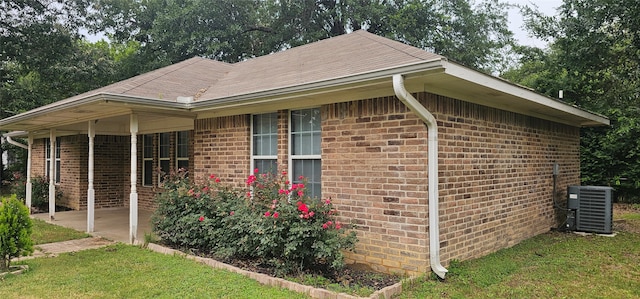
(125, 271)
(552, 265)
(44, 232)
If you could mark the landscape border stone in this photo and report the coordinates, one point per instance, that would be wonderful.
(384, 293)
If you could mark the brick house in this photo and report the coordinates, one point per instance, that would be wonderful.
(433, 160)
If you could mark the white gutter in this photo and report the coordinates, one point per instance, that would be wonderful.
(18, 144)
(432, 128)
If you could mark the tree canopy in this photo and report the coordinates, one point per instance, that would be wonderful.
(233, 30)
(595, 58)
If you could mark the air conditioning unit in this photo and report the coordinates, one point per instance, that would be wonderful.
(590, 209)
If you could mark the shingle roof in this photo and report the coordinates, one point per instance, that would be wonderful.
(205, 79)
(341, 56)
(186, 78)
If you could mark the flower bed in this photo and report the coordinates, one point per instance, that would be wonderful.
(272, 223)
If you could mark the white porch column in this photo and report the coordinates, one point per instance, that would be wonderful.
(29, 185)
(133, 196)
(52, 174)
(91, 132)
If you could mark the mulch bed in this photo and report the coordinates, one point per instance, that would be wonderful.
(351, 275)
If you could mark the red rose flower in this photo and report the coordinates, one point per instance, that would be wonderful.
(201, 218)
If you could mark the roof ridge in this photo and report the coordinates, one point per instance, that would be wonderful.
(390, 42)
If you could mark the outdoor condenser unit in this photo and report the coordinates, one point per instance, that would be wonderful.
(590, 209)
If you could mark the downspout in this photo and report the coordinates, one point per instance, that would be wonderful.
(18, 144)
(432, 128)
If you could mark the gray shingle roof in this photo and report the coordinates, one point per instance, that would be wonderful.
(205, 79)
(186, 78)
(341, 56)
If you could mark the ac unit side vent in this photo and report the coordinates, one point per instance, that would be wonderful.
(593, 208)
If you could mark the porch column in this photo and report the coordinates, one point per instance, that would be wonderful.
(91, 132)
(133, 196)
(52, 174)
(28, 186)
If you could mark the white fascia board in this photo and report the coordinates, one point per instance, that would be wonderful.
(99, 97)
(522, 92)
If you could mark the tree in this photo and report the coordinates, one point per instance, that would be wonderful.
(231, 30)
(43, 58)
(594, 59)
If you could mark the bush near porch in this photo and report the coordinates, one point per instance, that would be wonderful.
(273, 223)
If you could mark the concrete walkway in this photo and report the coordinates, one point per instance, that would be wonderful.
(111, 223)
(54, 249)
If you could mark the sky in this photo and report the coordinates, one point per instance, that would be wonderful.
(547, 7)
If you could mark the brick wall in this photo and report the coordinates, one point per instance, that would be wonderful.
(374, 157)
(111, 171)
(495, 177)
(109, 163)
(38, 157)
(222, 147)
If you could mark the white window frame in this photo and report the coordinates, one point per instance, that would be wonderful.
(58, 164)
(161, 158)
(292, 157)
(177, 150)
(263, 157)
(145, 159)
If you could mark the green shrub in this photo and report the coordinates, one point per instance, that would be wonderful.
(39, 191)
(274, 223)
(15, 231)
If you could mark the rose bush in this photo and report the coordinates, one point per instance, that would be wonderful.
(272, 222)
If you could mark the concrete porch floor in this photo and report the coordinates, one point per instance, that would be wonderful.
(110, 223)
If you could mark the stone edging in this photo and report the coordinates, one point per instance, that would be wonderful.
(16, 272)
(386, 293)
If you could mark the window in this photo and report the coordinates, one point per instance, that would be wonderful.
(164, 159)
(264, 154)
(147, 160)
(57, 159)
(182, 150)
(305, 153)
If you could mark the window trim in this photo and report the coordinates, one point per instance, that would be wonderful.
(58, 163)
(145, 159)
(291, 157)
(178, 158)
(251, 146)
(161, 158)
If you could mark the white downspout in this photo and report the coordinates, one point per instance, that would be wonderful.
(432, 128)
(28, 185)
(18, 144)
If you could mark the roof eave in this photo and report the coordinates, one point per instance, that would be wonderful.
(515, 90)
(92, 99)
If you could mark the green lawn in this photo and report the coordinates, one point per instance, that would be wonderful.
(44, 232)
(125, 271)
(552, 265)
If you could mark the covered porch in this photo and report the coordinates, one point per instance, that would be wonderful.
(110, 223)
(98, 166)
